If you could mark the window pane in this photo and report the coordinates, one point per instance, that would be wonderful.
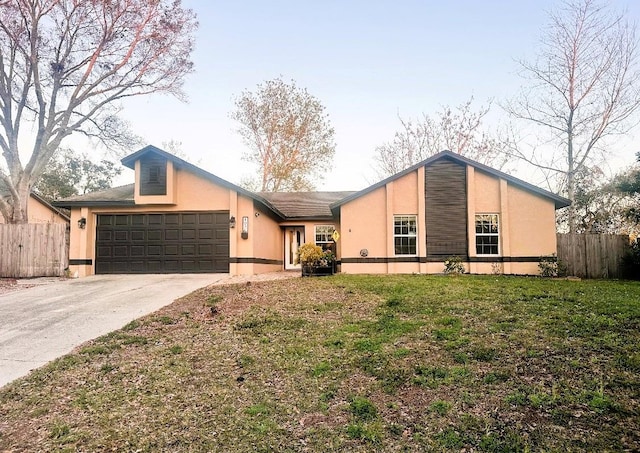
(405, 245)
(324, 234)
(413, 227)
(405, 228)
(487, 234)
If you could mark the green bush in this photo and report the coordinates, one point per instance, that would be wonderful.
(453, 266)
(631, 262)
(551, 266)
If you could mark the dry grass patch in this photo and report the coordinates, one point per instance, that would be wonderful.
(350, 362)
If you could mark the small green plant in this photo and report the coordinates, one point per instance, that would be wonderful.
(212, 302)
(258, 409)
(551, 266)
(132, 325)
(440, 407)
(59, 430)
(320, 369)
(166, 320)
(371, 433)
(453, 265)
(362, 408)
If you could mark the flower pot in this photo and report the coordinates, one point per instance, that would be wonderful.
(317, 271)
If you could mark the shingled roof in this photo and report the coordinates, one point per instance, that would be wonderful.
(304, 205)
(286, 205)
(115, 196)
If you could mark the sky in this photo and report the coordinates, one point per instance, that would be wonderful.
(366, 61)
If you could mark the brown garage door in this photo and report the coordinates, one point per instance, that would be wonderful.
(176, 242)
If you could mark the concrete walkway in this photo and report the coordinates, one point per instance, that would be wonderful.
(45, 321)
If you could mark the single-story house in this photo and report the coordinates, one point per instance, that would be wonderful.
(177, 217)
(40, 210)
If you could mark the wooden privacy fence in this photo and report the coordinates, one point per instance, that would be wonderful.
(33, 250)
(592, 255)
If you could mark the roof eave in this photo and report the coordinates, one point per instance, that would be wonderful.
(311, 217)
(129, 161)
(559, 202)
(50, 206)
(102, 203)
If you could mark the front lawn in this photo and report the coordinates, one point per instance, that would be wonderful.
(358, 363)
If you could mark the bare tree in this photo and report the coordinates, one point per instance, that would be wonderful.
(289, 133)
(65, 64)
(584, 88)
(458, 129)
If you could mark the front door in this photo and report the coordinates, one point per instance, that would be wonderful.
(294, 238)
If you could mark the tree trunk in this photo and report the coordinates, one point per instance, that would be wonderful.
(571, 171)
(20, 210)
(571, 196)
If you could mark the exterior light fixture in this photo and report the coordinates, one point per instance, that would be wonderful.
(82, 223)
(232, 222)
(245, 227)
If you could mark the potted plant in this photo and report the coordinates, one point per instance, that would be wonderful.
(315, 261)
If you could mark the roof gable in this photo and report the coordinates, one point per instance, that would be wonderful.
(560, 202)
(130, 162)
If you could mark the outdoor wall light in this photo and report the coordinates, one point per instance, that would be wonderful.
(82, 223)
(232, 222)
(245, 227)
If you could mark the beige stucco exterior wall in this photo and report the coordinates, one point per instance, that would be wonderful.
(192, 193)
(532, 224)
(363, 225)
(40, 213)
(486, 193)
(367, 223)
(526, 223)
(267, 242)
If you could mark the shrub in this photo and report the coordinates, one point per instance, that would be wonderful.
(631, 261)
(313, 255)
(551, 266)
(309, 254)
(453, 266)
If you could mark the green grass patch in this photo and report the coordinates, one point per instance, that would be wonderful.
(351, 363)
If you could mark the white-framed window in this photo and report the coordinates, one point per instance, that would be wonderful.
(487, 234)
(405, 233)
(324, 236)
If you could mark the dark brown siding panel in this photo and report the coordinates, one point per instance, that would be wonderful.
(446, 209)
(153, 176)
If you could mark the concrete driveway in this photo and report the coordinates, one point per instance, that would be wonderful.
(44, 322)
